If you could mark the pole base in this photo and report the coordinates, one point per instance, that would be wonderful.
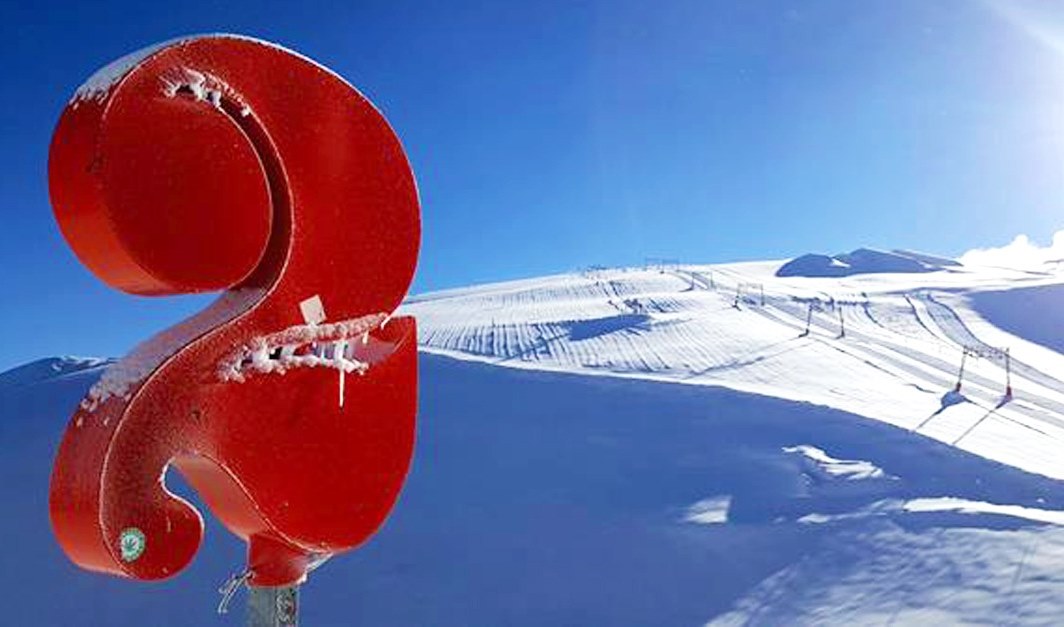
(273, 607)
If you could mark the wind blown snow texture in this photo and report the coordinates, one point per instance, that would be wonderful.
(886, 346)
(727, 470)
(100, 82)
(541, 498)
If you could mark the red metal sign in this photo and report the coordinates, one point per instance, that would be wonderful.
(225, 163)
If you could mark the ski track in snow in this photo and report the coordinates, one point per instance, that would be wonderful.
(898, 357)
(682, 485)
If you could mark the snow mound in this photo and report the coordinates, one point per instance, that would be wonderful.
(711, 511)
(825, 467)
(50, 368)
(967, 506)
(862, 261)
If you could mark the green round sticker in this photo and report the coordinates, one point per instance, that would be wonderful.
(132, 543)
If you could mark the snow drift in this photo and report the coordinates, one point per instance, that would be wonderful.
(665, 447)
(556, 499)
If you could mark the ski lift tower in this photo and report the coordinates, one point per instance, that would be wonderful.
(1002, 355)
(661, 264)
(223, 163)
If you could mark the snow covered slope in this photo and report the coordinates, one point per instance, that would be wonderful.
(725, 468)
(541, 498)
(885, 346)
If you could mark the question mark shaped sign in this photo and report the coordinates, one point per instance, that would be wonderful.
(226, 163)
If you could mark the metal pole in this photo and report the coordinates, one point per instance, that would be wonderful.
(1008, 374)
(273, 607)
(960, 374)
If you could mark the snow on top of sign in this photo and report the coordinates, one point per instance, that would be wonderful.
(100, 83)
(203, 86)
(270, 44)
(123, 377)
(345, 346)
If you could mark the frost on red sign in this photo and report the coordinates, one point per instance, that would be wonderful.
(226, 163)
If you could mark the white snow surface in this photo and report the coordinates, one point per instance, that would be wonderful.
(896, 361)
(97, 86)
(344, 346)
(706, 473)
(966, 506)
(102, 80)
(711, 511)
(820, 463)
(121, 378)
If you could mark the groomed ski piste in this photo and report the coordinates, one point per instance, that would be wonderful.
(887, 346)
(664, 446)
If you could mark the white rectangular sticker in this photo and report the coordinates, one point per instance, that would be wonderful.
(313, 310)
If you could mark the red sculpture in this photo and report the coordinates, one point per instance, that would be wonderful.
(225, 163)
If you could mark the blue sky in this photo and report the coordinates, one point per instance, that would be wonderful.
(551, 135)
